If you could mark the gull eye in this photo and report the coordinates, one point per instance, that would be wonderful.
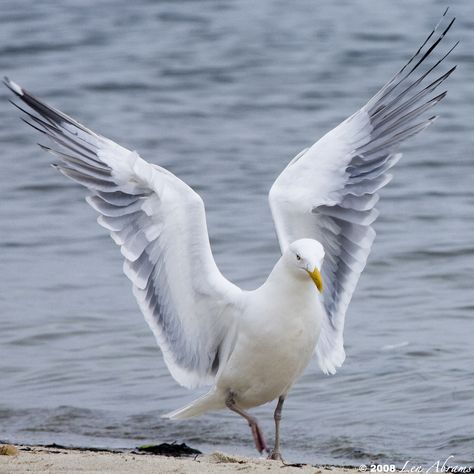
(298, 257)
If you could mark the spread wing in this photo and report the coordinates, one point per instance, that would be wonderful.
(159, 223)
(329, 191)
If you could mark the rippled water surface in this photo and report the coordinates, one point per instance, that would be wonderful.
(224, 94)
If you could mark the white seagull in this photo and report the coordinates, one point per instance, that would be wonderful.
(251, 346)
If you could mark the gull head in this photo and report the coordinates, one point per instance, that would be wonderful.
(305, 257)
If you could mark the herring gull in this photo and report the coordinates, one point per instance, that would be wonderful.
(251, 346)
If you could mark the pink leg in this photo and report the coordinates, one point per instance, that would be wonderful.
(252, 421)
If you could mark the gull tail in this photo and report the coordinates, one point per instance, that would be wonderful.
(209, 401)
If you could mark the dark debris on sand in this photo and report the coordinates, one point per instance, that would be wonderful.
(167, 449)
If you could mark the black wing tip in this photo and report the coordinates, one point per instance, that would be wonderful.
(448, 27)
(441, 96)
(15, 104)
(447, 74)
(57, 168)
(13, 86)
(445, 13)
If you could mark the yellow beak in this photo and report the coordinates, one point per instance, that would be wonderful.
(316, 277)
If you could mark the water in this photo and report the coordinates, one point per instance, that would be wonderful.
(224, 94)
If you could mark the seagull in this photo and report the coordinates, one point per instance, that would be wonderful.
(250, 346)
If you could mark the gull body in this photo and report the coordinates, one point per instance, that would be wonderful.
(275, 339)
(250, 346)
(276, 347)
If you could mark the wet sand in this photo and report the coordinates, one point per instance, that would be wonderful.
(58, 460)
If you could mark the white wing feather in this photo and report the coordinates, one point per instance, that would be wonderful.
(329, 191)
(159, 223)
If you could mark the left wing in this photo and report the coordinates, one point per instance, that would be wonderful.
(160, 225)
(329, 191)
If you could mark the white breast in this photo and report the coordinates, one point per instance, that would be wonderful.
(276, 339)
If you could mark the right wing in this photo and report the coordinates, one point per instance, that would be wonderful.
(329, 191)
(160, 225)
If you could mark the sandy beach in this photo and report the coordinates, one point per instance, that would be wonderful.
(59, 460)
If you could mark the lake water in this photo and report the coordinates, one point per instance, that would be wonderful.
(224, 94)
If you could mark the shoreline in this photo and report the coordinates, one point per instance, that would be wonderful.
(58, 459)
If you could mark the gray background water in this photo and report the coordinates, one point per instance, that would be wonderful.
(224, 94)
